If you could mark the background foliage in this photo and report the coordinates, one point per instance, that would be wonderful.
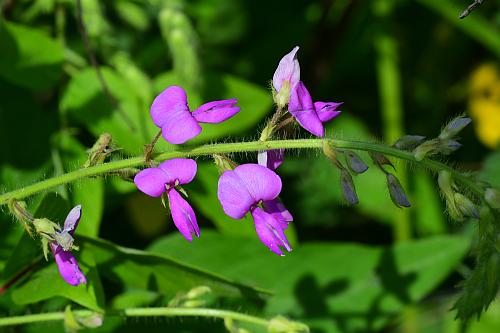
(399, 67)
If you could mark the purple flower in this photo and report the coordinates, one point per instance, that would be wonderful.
(242, 190)
(309, 115)
(61, 249)
(286, 76)
(170, 112)
(169, 174)
(271, 159)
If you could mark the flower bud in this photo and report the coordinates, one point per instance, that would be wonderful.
(348, 188)
(425, 149)
(380, 160)
(354, 162)
(398, 195)
(492, 197)
(280, 324)
(45, 228)
(446, 185)
(466, 207)
(454, 127)
(408, 142)
(223, 163)
(198, 292)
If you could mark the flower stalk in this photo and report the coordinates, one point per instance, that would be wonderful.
(238, 147)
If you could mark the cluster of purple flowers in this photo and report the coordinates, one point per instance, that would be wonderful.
(248, 188)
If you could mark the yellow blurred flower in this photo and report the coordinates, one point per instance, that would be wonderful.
(484, 104)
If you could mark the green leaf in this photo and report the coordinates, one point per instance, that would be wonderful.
(47, 283)
(87, 192)
(491, 169)
(86, 102)
(158, 273)
(429, 218)
(29, 57)
(332, 286)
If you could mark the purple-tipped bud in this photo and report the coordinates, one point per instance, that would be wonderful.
(492, 197)
(408, 142)
(348, 188)
(466, 207)
(271, 159)
(454, 127)
(354, 162)
(285, 77)
(380, 159)
(398, 195)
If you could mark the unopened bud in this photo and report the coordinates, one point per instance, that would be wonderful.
(223, 163)
(348, 188)
(198, 292)
(354, 162)
(466, 207)
(283, 97)
(454, 127)
(408, 142)
(425, 149)
(446, 185)
(398, 195)
(281, 324)
(492, 197)
(449, 146)
(380, 159)
(45, 228)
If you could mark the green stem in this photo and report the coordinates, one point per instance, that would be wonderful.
(225, 148)
(138, 312)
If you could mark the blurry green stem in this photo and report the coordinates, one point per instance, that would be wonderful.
(389, 82)
(238, 147)
(138, 312)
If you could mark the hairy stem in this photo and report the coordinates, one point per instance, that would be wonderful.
(225, 148)
(138, 312)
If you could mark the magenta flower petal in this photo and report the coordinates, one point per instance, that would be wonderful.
(246, 185)
(72, 219)
(151, 181)
(301, 107)
(68, 267)
(171, 101)
(288, 70)
(260, 182)
(180, 127)
(270, 231)
(171, 112)
(216, 111)
(271, 159)
(278, 211)
(182, 170)
(183, 215)
(327, 110)
(233, 195)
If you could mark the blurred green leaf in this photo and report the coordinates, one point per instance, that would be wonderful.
(475, 25)
(87, 192)
(135, 298)
(491, 169)
(29, 57)
(332, 286)
(429, 217)
(158, 273)
(47, 283)
(85, 101)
